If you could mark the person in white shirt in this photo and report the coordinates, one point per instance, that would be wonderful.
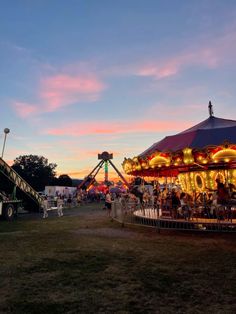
(60, 203)
(45, 207)
(108, 202)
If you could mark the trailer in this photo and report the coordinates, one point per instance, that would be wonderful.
(9, 207)
(16, 193)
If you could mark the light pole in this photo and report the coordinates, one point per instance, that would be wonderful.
(6, 131)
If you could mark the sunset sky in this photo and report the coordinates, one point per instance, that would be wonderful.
(79, 77)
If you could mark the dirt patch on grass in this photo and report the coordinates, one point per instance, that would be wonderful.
(11, 233)
(107, 232)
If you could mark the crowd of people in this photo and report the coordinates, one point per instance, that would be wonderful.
(59, 202)
(171, 200)
(174, 203)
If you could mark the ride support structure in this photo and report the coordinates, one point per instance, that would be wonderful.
(105, 160)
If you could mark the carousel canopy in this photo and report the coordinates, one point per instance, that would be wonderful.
(212, 131)
(208, 145)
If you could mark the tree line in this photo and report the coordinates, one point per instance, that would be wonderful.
(38, 172)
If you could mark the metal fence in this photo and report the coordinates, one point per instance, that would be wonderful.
(132, 212)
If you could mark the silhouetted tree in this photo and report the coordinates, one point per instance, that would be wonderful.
(35, 170)
(64, 180)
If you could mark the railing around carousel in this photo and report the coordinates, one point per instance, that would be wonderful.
(218, 219)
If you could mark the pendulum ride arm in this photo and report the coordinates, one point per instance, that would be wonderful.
(95, 174)
(99, 165)
(118, 172)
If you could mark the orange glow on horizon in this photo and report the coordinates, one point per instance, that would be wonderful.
(81, 174)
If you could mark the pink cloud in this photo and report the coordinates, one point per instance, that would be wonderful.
(24, 109)
(159, 71)
(62, 90)
(111, 128)
(172, 66)
(210, 53)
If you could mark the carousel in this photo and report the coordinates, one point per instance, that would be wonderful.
(195, 158)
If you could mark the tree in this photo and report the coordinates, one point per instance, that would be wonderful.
(64, 180)
(35, 170)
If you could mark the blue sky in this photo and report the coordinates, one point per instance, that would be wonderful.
(81, 77)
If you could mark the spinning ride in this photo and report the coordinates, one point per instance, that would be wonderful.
(105, 160)
(196, 156)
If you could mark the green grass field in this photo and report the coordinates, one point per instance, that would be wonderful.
(84, 263)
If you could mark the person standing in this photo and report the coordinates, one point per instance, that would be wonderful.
(60, 203)
(45, 207)
(222, 193)
(175, 204)
(185, 206)
(108, 203)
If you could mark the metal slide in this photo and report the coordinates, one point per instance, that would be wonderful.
(12, 183)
